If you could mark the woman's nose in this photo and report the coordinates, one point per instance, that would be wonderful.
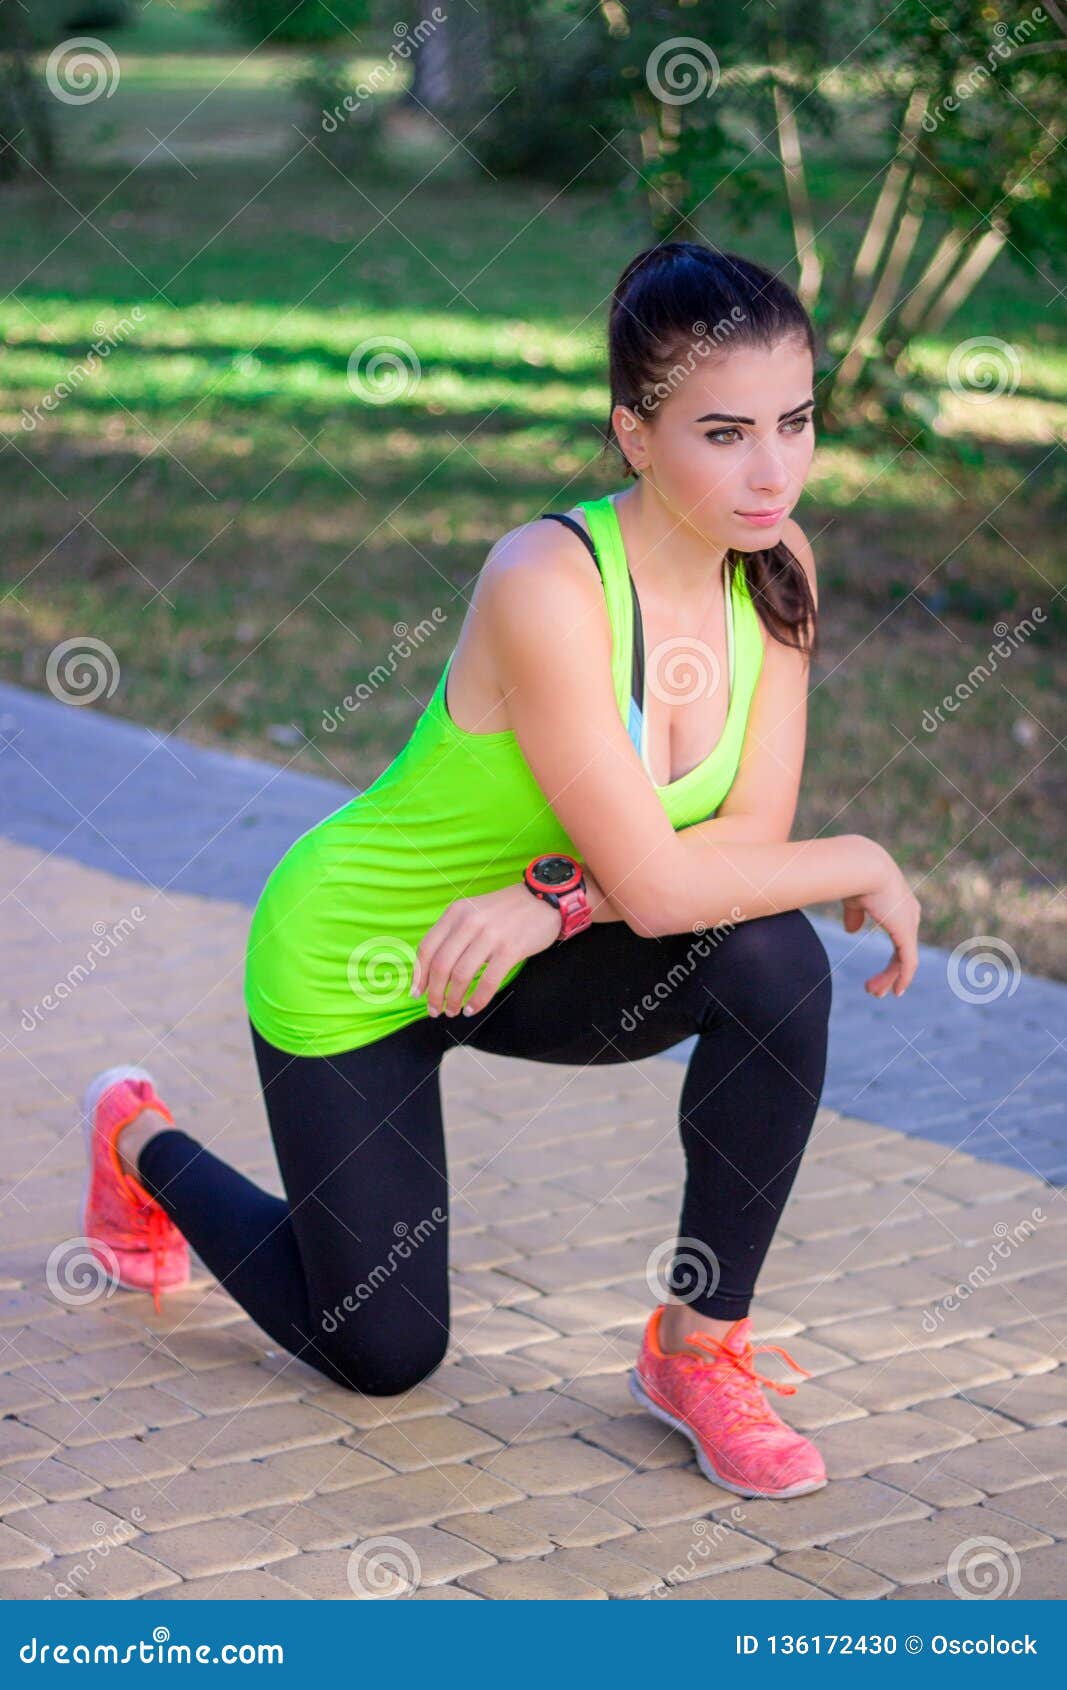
(768, 474)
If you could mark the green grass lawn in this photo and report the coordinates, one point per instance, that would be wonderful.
(248, 533)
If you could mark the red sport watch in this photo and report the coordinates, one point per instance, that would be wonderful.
(560, 880)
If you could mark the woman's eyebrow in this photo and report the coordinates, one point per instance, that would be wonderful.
(720, 416)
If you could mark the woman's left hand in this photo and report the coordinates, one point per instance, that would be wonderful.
(495, 930)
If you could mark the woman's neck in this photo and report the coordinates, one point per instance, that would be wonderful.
(665, 552)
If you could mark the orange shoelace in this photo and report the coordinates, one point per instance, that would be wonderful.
(740, 1380)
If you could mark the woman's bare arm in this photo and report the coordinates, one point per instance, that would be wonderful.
(765, 877)
(600, 904)
(550, 640)
(551, 644)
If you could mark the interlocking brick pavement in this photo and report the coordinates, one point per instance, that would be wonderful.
(183, 1455)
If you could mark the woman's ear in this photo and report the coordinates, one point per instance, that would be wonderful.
(629, 432)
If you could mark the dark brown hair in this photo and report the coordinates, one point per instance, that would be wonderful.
(679, 298)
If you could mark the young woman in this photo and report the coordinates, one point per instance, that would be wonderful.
(592, 812)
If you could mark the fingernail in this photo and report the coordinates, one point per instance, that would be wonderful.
(433, 1012)
(467, 1010)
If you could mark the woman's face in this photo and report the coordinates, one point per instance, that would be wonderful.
(717, 475)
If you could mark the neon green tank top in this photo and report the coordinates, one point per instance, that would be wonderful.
(333, 936)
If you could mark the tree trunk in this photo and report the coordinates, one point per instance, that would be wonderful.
(26, 139)
(451, 60)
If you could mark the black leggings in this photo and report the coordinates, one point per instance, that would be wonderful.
(350, 1273)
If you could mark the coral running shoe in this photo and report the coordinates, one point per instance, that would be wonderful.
(122, 1223)
(715, 1400)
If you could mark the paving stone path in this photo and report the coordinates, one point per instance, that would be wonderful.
(920, 1272)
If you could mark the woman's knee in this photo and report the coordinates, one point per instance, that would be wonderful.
(381, 1362)
(807, 962)
(772, 969)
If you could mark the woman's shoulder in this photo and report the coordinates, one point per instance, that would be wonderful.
(545, 559)
(537, 579)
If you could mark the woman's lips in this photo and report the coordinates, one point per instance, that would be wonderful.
(762, 519)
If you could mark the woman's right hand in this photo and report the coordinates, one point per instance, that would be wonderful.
(894, 906)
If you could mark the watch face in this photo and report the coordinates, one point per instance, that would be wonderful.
(554, 871)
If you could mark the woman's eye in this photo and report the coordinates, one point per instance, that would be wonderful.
(726, 436)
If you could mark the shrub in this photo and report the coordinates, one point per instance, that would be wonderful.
(25, 128)
(350, 134)
(95, 15)
(547, 98)
(554, 121)
(280, 21)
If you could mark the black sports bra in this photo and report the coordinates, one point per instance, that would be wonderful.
(637, 668)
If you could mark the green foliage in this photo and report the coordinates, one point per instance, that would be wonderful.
(343, 119)
(551, 102)
(22, 28)
(25, 128)
(703, 80)
(27, 141)
(992, 139)
(960, 125)
(45, 22)
(96, 15)
(276, 22)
